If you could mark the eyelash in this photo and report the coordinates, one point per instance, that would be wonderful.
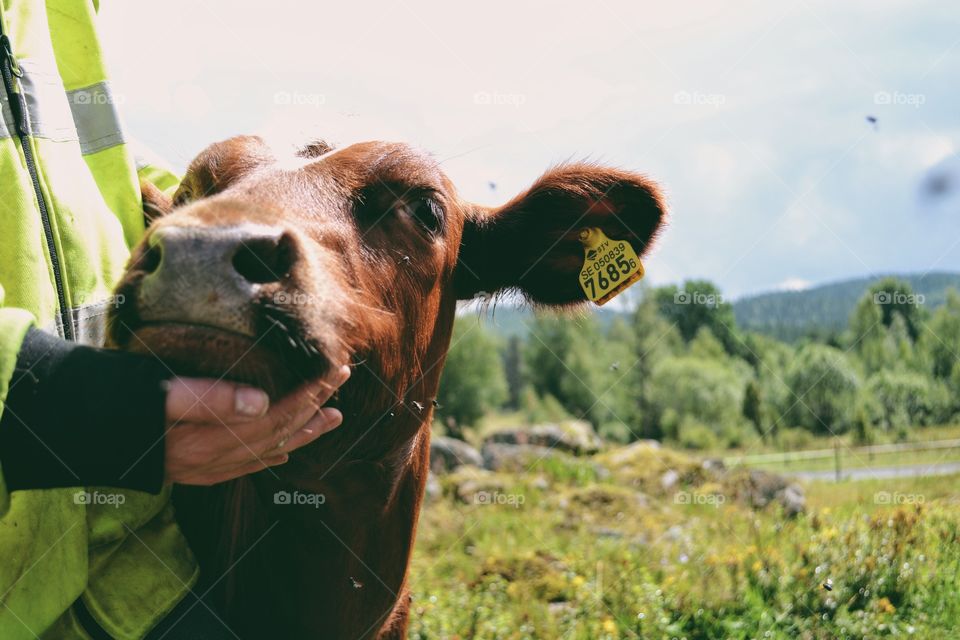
(425, 212)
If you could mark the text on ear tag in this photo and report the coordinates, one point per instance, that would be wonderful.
(609, 266)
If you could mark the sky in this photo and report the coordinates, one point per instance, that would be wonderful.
(752, 115)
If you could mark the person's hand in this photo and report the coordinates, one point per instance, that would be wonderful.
(219, 430)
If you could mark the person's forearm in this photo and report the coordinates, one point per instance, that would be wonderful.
(80, 416)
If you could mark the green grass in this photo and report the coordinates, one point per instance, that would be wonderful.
(755, 445)
(854, 460)
(587, 556)
(851, 458)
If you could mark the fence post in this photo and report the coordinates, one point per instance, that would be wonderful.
(836, 458)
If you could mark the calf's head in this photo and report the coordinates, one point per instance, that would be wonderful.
(272, 270)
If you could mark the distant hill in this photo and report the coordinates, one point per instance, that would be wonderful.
(786, 315)
(789, 315)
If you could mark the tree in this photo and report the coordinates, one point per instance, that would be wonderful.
(473, 381)
(899, 400)
(515, 371)
(940, 339)
(883, 302)
(699, 304)
(862, 427)
(754, 409)
(824, 386)
(695, 391)
(654, 338)
(566, 358)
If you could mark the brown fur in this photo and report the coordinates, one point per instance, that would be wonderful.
(381, 294)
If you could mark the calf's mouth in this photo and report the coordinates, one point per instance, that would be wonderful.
(216, 302)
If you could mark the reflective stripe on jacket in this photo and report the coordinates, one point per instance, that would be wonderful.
(70, 210)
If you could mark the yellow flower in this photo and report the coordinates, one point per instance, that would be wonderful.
(609, 626)
(578, 580)
(885, 605)
(757, 565)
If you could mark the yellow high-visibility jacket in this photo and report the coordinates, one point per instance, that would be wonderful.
(70, 210)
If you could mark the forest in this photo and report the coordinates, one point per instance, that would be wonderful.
(679, 369)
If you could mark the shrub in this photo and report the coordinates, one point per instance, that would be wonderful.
(902, 399)
(693, 434)
(795, 438)
(824, 388)
(537, 410)
(473, 380)
(706, 391)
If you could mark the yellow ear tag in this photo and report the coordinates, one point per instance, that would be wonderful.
(609, 266)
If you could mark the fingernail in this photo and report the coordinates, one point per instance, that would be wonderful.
(327, 419)
(344, 373)
(251, 402)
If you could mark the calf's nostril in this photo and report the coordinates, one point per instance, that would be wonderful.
(149, 260)
(264, 259)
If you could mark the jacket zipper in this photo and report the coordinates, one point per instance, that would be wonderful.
(18, 105)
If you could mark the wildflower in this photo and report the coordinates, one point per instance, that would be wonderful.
(885, 605)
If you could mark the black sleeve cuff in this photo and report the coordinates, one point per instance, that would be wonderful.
(80, 416)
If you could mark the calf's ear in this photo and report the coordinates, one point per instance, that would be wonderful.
(156, 203)
(531, 244)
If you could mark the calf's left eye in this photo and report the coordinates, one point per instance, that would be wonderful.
(424, 212)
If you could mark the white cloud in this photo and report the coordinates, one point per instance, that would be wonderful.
(793, 284)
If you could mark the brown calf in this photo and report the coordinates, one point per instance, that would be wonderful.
(271, 273)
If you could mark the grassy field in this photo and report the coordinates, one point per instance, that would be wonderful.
(917, 434)
(854, 456)
(852, 459)
(572, 550)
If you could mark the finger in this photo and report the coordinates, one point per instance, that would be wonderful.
(208, 400)
(233, 472)
(292, 413)
(316, 392)
(325, 421)
(265, 434)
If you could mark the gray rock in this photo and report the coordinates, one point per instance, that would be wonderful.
(478, 486)
(714, 466)
(541, 483)
(574, 436)
(514, 457)
(792, 499)
(669, 479)
(446, 454)
(625, 455)
(764, 487)
(434, 490)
